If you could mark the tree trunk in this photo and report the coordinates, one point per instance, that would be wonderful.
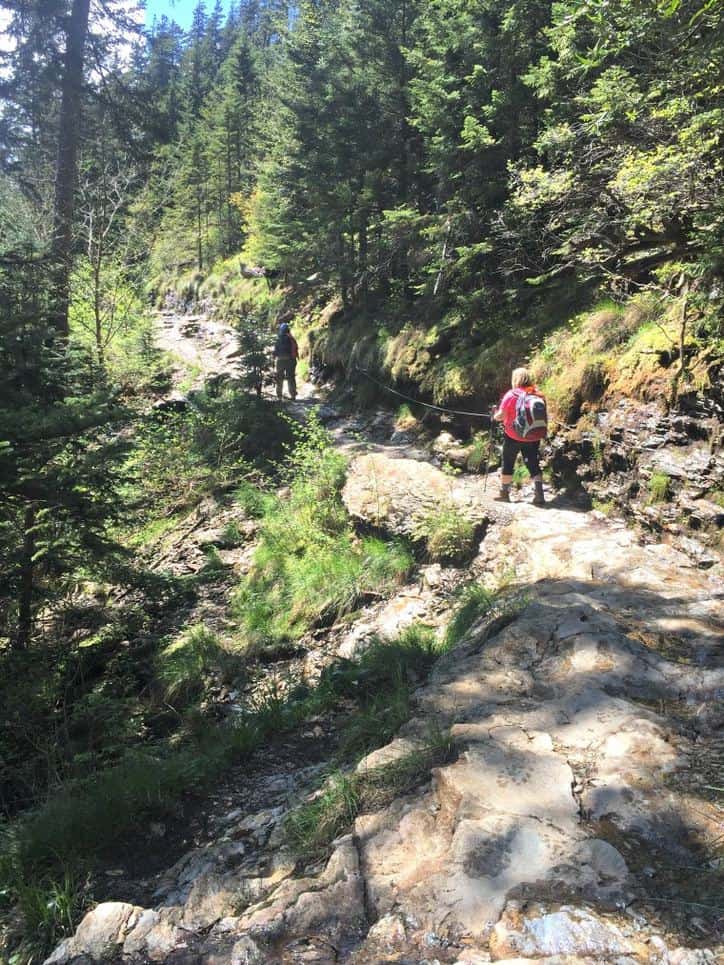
(98, 313)
(199, 243)
(27, 573)
(674, 397)
(229, 189)
(67, 170)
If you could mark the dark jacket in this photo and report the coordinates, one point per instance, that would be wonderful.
(286, 347)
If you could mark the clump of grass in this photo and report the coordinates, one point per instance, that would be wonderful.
(384, 682)
(312, 827)
(183, 664)
(252, 500)
(449, 536)
(473, 603)
(659, 487)
(605, 506)
(232, 535)
(405, 419)
(48, 909)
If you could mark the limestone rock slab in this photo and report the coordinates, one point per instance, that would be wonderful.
(396, 494)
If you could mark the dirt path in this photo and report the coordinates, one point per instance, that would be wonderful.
(581, 818)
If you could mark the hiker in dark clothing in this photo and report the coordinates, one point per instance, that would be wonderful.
(522, 411)
(286, 353)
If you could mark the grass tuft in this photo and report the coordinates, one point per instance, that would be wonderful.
(183, 665)
(473, 603)
(659, 487)
(312, 827)
(449, 536)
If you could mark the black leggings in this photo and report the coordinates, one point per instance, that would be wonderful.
(529, 451)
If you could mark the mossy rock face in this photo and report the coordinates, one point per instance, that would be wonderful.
(612, 352)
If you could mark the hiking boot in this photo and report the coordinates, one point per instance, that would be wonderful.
(538, 497)
(503, 496)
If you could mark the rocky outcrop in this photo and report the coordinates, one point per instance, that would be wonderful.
(398, 495)
(663, 470)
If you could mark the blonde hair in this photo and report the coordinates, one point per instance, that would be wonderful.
(521, 377)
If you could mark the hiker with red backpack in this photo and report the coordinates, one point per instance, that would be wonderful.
(522, 411)
(286, 353)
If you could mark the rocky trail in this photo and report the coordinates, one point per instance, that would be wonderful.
(580, 815)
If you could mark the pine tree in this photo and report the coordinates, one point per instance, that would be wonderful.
(58, 471)
(232, 140)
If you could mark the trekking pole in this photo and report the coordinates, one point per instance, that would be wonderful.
(490, 449)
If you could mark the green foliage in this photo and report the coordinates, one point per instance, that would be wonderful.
(49, 908)
(215, 440)
(44, 857)
(253, 500)
(605, 506)
(520, 475)
(60, 462)
(449, 536)
(659, 487)
(383, 681)
(309, 567)
(642, 142)
(255, 353)
(184, 663)
(481, 455)
(473, 603)
(313, 826)
(113, 325)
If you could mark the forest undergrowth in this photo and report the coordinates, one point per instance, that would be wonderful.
(127, 690)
